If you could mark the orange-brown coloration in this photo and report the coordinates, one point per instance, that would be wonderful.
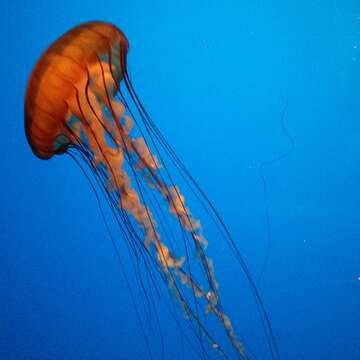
(70, 103)
(55, 78)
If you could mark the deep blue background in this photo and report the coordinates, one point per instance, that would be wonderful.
(215, 76)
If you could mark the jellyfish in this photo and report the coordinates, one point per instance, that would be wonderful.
(80, 101)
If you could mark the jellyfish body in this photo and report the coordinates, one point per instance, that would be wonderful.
(74, 104)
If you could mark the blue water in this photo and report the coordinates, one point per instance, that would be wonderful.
(215, 76)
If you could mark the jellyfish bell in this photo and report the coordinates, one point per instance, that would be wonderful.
(77, 103)
(60, 77)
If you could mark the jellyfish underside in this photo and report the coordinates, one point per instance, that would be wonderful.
(102, 117)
